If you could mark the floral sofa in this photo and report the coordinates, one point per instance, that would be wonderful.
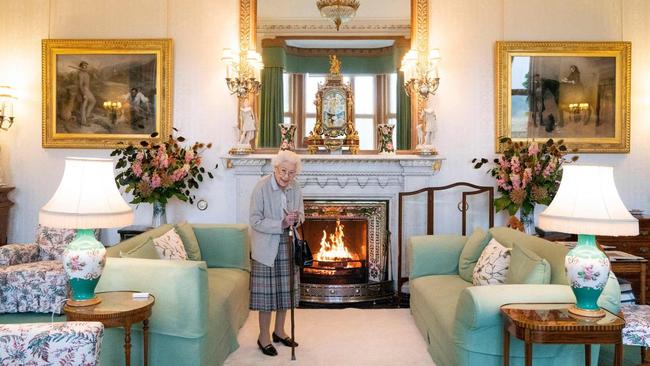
(71, 343)
(32, 278)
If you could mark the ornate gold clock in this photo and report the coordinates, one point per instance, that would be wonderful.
(334, 128)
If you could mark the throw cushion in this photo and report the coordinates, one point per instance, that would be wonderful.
(146, 250)
(188, 237)
(526, 267)
(39, 287)
(492, 266)
(471, 252)
(52, 242)
(170, 246)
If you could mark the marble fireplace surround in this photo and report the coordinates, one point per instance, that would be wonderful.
(342, 177)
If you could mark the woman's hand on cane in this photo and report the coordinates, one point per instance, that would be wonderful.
(290, 219)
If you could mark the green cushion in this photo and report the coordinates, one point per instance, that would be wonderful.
(471, 253)
(225, 246)
(190, 242)
(146, 250)
(526, 267)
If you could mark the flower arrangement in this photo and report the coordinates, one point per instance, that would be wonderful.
(154, 173)
(527, 173)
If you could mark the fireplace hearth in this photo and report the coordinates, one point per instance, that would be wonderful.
(351, 249)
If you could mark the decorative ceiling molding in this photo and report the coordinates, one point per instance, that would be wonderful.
(358, 52)
(319, 26)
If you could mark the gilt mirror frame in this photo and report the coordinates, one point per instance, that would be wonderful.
(419, 42)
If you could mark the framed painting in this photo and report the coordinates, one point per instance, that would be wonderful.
(105, 93)
(575, 91)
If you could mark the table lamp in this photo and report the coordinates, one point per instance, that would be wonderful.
(87, 198)
(587, 203)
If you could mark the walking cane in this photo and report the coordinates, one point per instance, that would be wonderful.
(292, 261)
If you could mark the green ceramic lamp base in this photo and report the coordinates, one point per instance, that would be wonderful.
(587, 269)
(83, 260)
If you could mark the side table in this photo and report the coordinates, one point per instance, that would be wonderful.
(131, 231)
(632, 267)
(552, 323)
(117, 309)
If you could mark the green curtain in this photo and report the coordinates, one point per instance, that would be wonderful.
(271, 107)
(403, 115)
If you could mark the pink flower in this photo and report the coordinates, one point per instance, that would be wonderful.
(528, 176)
(504, 163)
(516, 181)
(515, 165)
(139, 156)
(137, 169)
(155, 181)
(550, 168)
(533, 149)
(189, 156)
(178, 174)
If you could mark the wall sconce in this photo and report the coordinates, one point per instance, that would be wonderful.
(7, 99)
(243, 76)
(421, 80)
(420, 74)
(579, 112)
(112, 108)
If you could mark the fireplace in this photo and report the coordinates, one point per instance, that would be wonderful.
(349, 240)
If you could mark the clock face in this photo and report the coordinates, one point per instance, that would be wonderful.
(202, 205)
(334, 109)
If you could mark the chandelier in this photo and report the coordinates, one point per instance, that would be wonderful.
(243, 73)
(339, 11)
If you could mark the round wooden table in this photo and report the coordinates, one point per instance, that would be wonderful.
(552, 323)
(117, 309)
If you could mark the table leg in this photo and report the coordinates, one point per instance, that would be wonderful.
(506, 346)
(127, 344)
(587, 354)
(618, 354)
(145, 334)
(529, 353)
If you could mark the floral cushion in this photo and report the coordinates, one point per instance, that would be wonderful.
(18, 253)
(52, 242)
(70, 343)
(170, 246)
(492, 266)
(39, 287)
(637, 325)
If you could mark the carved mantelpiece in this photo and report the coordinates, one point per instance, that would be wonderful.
(342, 177)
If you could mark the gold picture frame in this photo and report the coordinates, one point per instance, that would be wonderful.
(105, 93)
(575, 91)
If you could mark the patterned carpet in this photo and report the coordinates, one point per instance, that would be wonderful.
(340, 337)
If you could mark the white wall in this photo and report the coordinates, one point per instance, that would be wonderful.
(464, 30)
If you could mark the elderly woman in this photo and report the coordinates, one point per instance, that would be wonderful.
(276, 206)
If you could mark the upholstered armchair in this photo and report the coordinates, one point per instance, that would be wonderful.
(32, 278)
(68, 343)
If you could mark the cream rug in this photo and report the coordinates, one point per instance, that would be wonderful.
(340, 337)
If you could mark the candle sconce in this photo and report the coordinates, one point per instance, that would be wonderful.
(112, 108)
(7, 99)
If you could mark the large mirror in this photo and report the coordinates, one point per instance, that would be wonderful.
(296, 41)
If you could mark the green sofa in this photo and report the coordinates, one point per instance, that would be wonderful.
(200, 305)
(462, 324)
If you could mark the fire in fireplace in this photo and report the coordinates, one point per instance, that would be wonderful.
(349, 240)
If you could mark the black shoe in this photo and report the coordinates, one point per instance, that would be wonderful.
(268, 350)
(286, 341)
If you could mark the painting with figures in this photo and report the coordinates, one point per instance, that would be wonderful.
(575, 91)
(563, 97)
(86, 82)
(105, 93)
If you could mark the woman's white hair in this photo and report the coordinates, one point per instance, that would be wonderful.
(286, 156)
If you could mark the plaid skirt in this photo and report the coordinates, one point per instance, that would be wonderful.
(270, 285)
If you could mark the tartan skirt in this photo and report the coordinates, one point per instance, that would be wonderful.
(270, 285)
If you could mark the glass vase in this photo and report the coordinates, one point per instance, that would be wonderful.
(159, 214)
(528, 221)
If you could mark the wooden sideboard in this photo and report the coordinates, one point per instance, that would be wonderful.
(637, 245)
(5, 205)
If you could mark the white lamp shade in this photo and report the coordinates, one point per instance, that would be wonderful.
(87, 198)
(587, 202)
